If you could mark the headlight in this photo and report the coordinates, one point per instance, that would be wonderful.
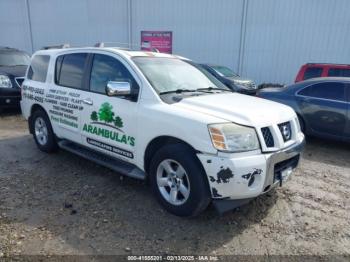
(5, 81)
(233, 138)
(246, 85)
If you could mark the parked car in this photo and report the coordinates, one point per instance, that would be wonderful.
(153, 116)
(13, 65)
(315, 70)
(231, 79)
(322, 105)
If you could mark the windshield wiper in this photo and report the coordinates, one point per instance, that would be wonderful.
(210, 88)
(178, 91)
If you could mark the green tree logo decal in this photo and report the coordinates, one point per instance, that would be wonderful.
(118, 122)
(94, 116)
(105, 114)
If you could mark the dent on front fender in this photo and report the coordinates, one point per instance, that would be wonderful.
(234, 178)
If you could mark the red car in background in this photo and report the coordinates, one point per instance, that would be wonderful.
(314, 70)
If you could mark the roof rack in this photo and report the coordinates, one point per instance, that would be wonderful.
(111, 44)
(55, 46)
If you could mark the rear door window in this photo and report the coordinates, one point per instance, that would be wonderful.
(341, 72)
(313, 72)
(38, 68)
(329, 90)
(70, 70)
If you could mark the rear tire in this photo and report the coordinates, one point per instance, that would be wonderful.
(178, 181)
(42, 132)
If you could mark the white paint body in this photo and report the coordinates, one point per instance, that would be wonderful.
(187, 120)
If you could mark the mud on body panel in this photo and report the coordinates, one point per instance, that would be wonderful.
(234, 178)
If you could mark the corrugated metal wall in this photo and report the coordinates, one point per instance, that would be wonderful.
(14, 27)
(205, 31)
(281, 35)
(266, 40)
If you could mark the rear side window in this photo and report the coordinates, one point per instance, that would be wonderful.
(342, 72)
(329, 90)
(38, 68)
(69, 70)
(312, 72)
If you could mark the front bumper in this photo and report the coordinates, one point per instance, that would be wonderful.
(243, 176)
(10, 97)
(245, 91)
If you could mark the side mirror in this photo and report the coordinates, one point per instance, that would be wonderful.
(114, 88)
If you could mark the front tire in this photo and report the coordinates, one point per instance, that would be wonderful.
(178, 181)
(42, 132)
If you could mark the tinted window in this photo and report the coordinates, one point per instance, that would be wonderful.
(312, 72)
(38, 68)
(106, 68)
(58, 67)
(224, 71)
(329, 90)
(339, 72)
(70, 70)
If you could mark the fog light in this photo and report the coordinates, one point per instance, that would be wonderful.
(7, 101)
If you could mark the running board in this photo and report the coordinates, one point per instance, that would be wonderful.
(116, 165)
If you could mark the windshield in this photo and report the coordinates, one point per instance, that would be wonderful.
(170, 74)
(224, 71)
(14, 59)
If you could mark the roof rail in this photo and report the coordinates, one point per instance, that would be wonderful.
(328, 64)
(55, 46)
(111, 44)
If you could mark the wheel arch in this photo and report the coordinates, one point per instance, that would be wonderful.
(34, 108)
(158, 142)
(303, 125)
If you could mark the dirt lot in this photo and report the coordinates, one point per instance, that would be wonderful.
(63, 204)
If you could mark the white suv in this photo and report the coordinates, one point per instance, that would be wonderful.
(158, 117)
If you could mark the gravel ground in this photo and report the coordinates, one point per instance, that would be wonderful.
(62, 204)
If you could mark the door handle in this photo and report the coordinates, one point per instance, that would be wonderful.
(88, 101)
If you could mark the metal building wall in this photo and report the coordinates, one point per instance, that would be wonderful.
(266, 40)
(205, 30)
(82, 22)
(14, 27)
(282, 35)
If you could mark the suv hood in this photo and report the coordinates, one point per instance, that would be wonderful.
(240, 109)
(15, 71)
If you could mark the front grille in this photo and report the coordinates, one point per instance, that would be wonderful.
(251, 86)
(19, 81)
(286, 131)
(268, 137)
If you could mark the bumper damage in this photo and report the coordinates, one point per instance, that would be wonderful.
(237, 179)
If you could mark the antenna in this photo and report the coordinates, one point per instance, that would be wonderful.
(155, 50)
